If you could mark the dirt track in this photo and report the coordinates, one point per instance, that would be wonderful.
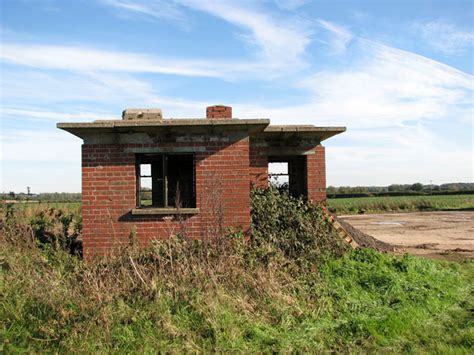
(441, 235)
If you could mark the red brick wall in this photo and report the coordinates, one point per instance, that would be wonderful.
(258, 167)
(109, 195)
(316, 178)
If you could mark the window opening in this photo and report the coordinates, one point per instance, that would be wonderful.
(166, 180)
(278, 175)
(288, 173)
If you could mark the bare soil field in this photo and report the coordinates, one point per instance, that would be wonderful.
(440, 235)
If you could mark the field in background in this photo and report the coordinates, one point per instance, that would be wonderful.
(353, 205)
(37, 205)
(400, 204)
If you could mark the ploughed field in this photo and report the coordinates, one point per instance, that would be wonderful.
(442, 234)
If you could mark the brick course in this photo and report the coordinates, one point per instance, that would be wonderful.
(109, 194)
(219, 111)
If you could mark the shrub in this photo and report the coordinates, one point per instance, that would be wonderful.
(293, 226)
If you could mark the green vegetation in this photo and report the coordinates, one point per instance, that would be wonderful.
(301, 292)
(399, 189)
(43, 197)
(35, 206)
(400, 204)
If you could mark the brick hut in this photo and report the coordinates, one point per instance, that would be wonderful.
(153, 177)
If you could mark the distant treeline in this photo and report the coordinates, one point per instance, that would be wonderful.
(400, 190)
(332, 192)
(46, 196)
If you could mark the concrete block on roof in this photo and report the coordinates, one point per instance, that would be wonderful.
(142, 114)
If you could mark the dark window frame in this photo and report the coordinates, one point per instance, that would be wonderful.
(148, 158)
(297, 173)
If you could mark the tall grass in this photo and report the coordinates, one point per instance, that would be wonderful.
(233, 294)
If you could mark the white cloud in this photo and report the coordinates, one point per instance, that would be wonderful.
(387, 97)
(445, 37)
(387, 87)
(388, 100)
(290, 4)
(340, 36)
(73, 92)
(41, 115)
(158, 9)
(89, 59)
(38, 145)
(280, 41)
(278, 44)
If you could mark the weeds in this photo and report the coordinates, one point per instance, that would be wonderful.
(246, 295)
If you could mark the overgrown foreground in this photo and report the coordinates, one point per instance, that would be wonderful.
(292, 286)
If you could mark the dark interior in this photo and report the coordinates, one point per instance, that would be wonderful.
(172, 180)
(297, 184)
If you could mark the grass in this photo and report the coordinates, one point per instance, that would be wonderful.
(400, 204)
(303, 292)
(364, 301)
(34, 206)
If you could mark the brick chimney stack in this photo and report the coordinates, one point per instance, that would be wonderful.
(219, 111)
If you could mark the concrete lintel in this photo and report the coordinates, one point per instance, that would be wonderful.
(302, 128)
(288, 152)
(165, 150)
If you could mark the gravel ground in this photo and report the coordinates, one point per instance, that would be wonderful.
(440, 235)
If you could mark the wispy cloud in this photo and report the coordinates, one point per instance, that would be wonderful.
(42, 115)
(445, 37)
(89, 59)
(279, 41)
(386, 87)
(154, 9)
(388, 99)
(339, 36)
(290, 4)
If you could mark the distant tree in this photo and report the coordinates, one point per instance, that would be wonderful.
(331, 190)
(343, 190)
(359, 190)
(416, 187)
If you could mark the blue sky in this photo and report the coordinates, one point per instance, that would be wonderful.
(398, 74)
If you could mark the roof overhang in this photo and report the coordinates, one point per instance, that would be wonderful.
(167, 126)
(299, 132)
(258, 128)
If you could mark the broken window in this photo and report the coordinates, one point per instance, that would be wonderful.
(166, 180)
(288, 173)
